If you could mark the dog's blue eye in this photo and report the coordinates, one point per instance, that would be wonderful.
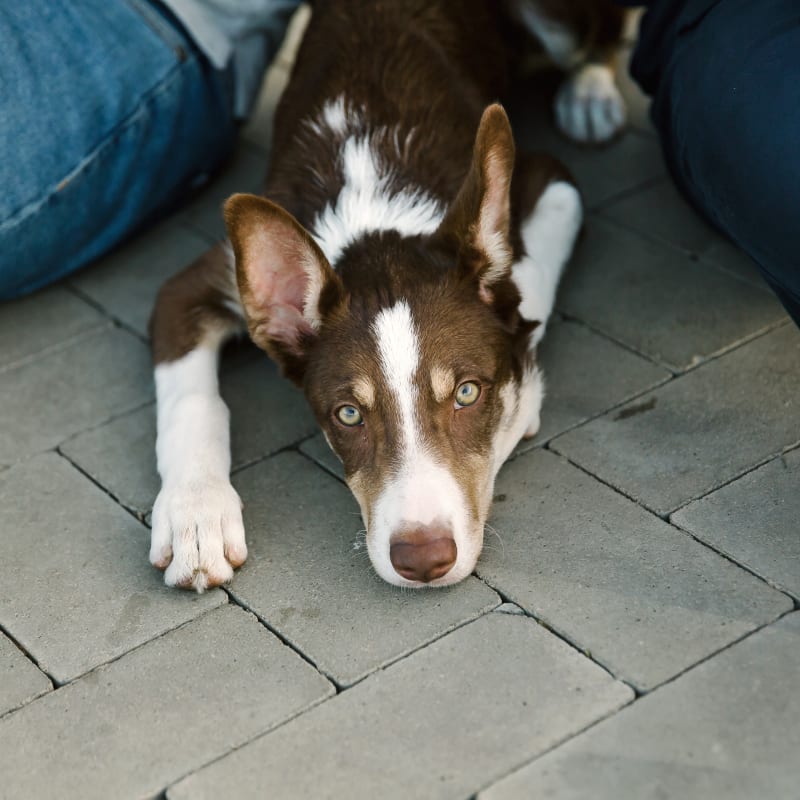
(467, 394)
(349, 415)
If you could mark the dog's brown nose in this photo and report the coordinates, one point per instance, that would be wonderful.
(423, 554)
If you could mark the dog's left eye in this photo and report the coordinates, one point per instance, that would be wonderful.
(467, 394)
(349, 415)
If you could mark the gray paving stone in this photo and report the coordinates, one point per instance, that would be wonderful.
(43, 321)
(727, 729)
(317, 449)
(439, 724)
(755, 520)
(643, 598)
(657, 301)
(77, 586)
(267, 414)
(308, 575)
(63, 392)
(698, 431)
(294, 35)
(21, 681)
(585, 374)
(130, 728)
(659, 211)
(245, 173)
(126, 282)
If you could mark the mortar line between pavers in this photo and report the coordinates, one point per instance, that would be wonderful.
(314, 704)
(322, 466)
(693, 255)
(106, 491)
(30, 657)
(741, 564)
(342, 687)
(287, 448)
(565, 638)
(58, 346)
(592, 417)
(560, 743)
(622, 194)
(567, 317)
(729, 480)
(105, 421)
(667, 516)
(636, 699)
(59, 685)
(119, 323)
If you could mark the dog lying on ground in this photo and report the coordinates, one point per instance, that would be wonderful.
(401, 269)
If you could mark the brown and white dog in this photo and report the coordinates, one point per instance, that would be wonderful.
(402, 271)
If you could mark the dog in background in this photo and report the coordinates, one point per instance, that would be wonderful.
(401, 268)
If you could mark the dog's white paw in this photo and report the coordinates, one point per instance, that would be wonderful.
(589, 106)
(198, 533)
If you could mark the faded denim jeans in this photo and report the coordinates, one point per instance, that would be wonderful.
(109, 115)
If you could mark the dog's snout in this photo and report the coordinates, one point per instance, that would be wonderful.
(423, 553)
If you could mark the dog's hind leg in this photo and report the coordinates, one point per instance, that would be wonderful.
(197, 531)
(582, 37)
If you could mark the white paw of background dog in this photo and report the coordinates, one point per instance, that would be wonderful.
(589, 107)
(198, 533)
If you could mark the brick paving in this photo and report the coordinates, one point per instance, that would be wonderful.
(632, 629)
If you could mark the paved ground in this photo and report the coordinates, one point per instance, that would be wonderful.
(632, 629)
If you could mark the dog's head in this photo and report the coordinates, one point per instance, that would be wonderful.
(412, 354)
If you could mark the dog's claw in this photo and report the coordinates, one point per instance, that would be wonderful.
(589, 107)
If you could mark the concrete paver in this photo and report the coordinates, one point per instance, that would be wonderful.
(267, 414)
(78, 589)
(701, 430)
(660, 212)
(178, 702)
(755, 521)
(728, 729)
(657, 300)
(643, 598)
(126, 282)
(21, 680)
(585, 374)
(49, 319)
(44, 401)
(438, 724)
(308, 575)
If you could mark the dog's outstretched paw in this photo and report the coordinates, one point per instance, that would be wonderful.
(198, 533)
(589, 107)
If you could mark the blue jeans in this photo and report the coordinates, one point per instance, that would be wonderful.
(726, 101)
(108, 115)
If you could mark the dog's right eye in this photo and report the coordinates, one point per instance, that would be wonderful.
(349, 416)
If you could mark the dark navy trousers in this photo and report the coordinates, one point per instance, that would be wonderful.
(725, 80)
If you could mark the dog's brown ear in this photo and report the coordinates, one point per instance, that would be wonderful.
(283, 278)
(477, 223)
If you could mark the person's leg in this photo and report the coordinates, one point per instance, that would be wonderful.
(727, 106)
(108, 114)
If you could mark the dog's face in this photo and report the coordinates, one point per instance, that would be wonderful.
(413, 357)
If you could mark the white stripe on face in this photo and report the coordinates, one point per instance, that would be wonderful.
(398, 348)
(422, 491)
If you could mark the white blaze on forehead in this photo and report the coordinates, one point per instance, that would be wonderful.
(398, 350)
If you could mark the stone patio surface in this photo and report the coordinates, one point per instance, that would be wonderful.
(632, 629)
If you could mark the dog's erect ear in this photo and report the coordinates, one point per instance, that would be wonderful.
(477, 223)
(283, 276)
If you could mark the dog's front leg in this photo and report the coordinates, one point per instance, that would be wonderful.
(197, 529)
